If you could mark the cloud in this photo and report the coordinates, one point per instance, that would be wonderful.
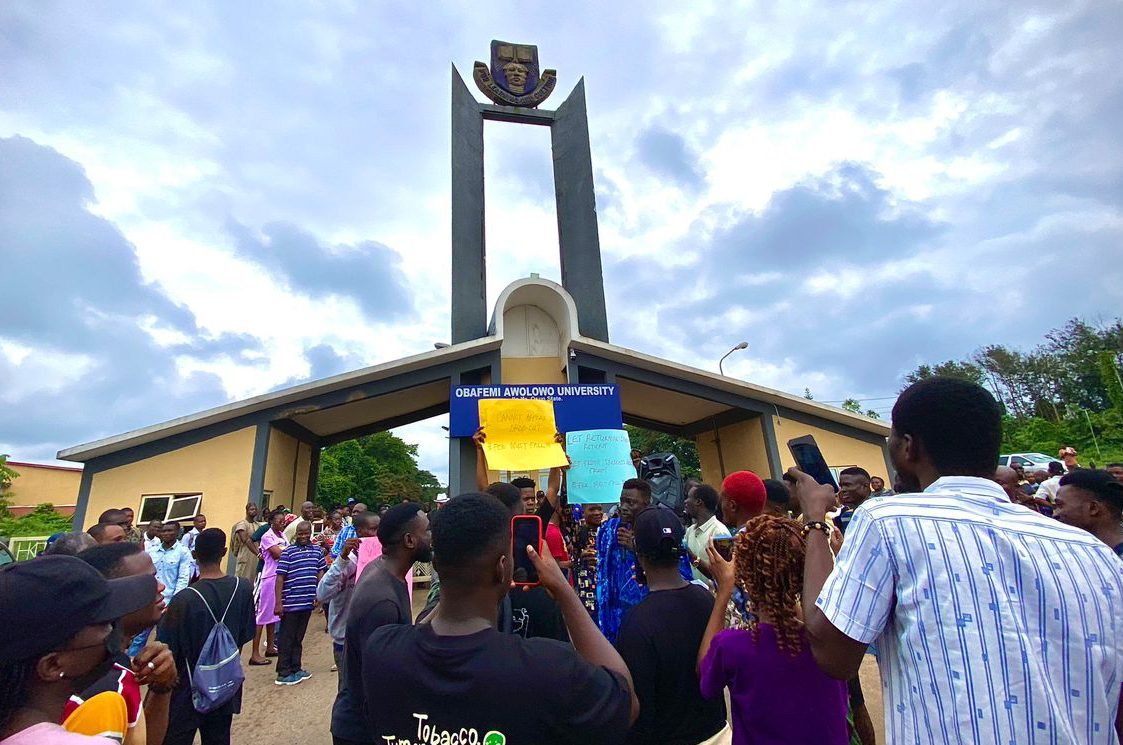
(79, 354)
(667, 154)
(368, 271)
(324, 361)
(851, 188)
(838, 275)
(68, 269)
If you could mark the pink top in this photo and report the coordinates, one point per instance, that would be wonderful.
(49, 733)
(268, 540)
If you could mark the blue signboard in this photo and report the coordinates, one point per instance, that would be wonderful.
(577, 406)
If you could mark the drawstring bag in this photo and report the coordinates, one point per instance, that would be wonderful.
(218, 674)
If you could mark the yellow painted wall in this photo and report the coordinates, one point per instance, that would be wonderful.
(742, 448)
(282, 467)
(303, 472)
(219, 468)
(39, 484)
(839, 450)
(528, 370)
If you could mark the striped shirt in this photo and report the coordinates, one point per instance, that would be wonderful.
(993, 623)
(300, 566)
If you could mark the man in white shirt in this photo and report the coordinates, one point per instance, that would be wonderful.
(992, 622)
(152, 535)
(701, 506)
(1050, 486)
(199, 524)
(307, 514)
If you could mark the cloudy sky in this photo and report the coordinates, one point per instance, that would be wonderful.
(203, 201)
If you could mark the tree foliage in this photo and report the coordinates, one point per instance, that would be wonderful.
(649, 441)
(43, 520)
(1064, 391)
(378, 469)
(7, 474)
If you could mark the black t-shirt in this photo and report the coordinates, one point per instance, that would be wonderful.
(432, 688)
(378, 599)
(659, 640)
(535, 615)
(186, 624)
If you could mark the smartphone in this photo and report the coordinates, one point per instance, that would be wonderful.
(724, 547)
(810, 460)
(526, 530)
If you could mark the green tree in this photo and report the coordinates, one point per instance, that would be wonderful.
(649, 441)
(1109, 373)
(7, 476)
(1064, 391)
(43, 520)
(855, 406)
(949, 369)
(379, 469)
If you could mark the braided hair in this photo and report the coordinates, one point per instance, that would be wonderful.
(13, 687)
(769, 568)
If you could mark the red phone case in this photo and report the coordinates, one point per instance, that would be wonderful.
(537, 548)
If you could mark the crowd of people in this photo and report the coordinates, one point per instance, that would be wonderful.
(992, 600)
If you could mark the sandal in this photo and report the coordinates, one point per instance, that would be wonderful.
(271, 653)
(260, 662)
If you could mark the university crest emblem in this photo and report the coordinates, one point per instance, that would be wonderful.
(514, 78)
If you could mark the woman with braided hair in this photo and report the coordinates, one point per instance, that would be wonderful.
(777, 692)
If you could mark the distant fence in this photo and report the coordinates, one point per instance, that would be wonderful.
(27, 546)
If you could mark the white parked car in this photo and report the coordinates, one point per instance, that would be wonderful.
(1029, 461)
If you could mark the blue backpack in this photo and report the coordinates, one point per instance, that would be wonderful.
(218, 672)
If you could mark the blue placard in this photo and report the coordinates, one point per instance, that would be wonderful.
(577, 406)
(600, 463)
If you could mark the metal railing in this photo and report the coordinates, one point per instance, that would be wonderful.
(26, 547)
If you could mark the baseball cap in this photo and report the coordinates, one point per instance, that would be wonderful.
(655, 526)
(49, 599)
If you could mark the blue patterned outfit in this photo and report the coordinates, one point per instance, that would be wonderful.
(617, 589)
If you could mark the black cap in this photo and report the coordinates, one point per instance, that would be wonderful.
(656, 527)
(49, 599)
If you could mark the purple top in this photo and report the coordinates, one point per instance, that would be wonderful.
(269, 540)
(774, 698)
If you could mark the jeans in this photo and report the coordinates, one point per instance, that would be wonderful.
(290, 641)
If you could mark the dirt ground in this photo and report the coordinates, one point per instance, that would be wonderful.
(302, 713)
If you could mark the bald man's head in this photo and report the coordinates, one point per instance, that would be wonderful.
(1008, 479)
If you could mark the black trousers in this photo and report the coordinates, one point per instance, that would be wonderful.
(290, 641)
(184, 722)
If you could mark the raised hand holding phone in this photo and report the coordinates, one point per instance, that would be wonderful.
(809, 459)
(526, 531)
(550, 576)
(721, 569)
(815, 499)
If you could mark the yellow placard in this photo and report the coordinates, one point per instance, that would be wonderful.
(520, 434)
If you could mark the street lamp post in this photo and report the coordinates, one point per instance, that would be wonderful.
(742, 345)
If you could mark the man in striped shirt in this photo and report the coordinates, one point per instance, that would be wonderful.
(299, 570)
(993, 623)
